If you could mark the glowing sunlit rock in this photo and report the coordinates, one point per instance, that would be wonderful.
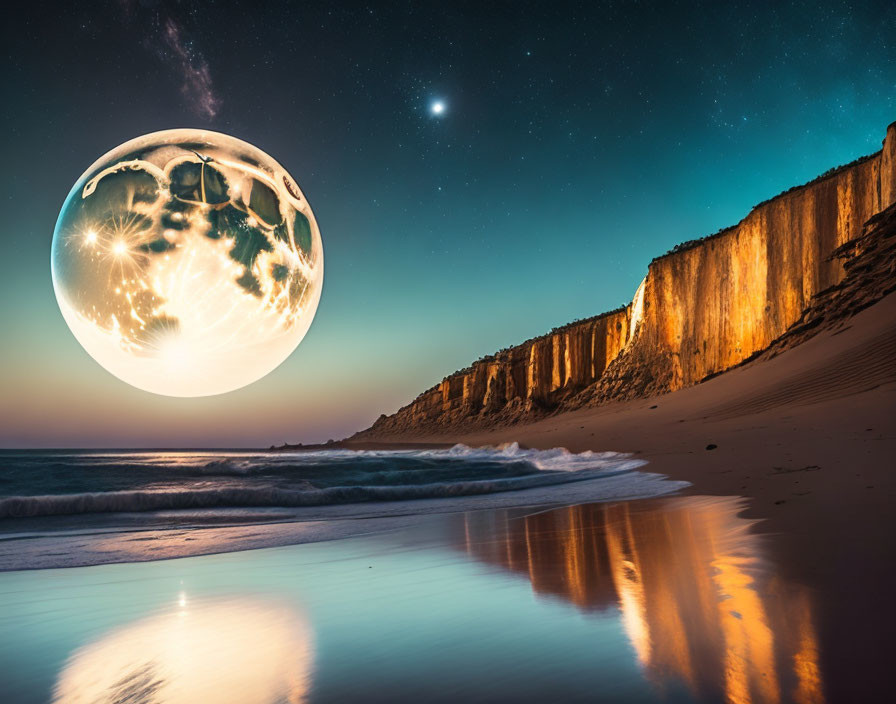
(187, 263)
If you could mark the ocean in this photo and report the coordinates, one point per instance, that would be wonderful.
(62, 482)
(64, 508)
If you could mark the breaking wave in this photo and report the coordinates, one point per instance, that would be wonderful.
(558, 459)
(126, 482)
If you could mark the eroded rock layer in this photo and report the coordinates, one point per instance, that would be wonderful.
(703, 308)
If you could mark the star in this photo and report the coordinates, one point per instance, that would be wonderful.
(437, 108)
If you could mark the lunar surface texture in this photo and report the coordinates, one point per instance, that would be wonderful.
(187, 263)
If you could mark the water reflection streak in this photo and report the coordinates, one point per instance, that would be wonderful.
(239, 651)
(699, 601)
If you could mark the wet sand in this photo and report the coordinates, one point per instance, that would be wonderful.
(670, 599)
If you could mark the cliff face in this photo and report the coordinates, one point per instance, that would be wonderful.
(711, 306)
(535, 375)
(703, 308)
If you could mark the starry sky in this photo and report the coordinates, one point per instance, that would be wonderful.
(480, 172)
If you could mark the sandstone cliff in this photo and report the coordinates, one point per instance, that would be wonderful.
(703, 307)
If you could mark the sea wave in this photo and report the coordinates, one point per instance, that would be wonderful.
(557, 459)
(126, 501)
(371, 476)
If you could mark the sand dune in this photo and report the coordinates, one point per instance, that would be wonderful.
(864, 367)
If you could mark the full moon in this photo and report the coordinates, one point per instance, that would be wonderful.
(187, 263)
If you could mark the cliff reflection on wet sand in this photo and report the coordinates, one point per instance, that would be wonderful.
(698, 601)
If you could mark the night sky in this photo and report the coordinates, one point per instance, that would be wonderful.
(480, 173)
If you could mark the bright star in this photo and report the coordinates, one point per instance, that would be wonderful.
(437, 108)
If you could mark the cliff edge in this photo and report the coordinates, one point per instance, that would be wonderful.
(704, 307)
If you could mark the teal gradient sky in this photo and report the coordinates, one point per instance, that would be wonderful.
(577, 143)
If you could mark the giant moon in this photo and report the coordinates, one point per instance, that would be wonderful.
(187, 263)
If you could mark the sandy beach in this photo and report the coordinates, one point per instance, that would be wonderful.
(808, 438)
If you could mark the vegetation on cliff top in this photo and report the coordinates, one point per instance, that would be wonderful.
(690, 244)
(532, 340)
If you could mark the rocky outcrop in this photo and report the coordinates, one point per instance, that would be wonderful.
(870, 265)
(529, 378)
(704, 307)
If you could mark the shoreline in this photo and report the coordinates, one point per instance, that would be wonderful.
(85, 540)
(807, 438)
(811, 463)
(750, 431)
